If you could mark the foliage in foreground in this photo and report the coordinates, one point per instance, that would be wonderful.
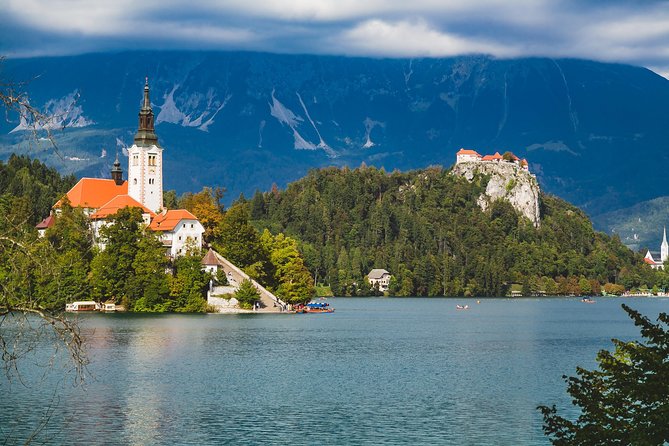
(625, 401)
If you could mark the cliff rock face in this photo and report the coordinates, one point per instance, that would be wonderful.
(508, 182)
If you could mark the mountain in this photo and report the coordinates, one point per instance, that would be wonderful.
(594, 133)
(639, 226)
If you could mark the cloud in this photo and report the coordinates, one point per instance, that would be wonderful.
(617, 30)
(412, 38)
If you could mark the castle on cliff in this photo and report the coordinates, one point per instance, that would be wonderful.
(468, 156)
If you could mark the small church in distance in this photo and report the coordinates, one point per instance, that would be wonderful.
(663, 254)
(102, 198)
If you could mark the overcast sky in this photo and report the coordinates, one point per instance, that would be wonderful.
(635, 32)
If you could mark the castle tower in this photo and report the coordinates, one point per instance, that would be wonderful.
(145, 160)
(664, 249)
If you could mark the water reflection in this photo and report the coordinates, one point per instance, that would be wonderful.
(378, 371)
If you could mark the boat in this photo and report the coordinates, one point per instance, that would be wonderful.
(109, 308)
(588, 300)
(462, 307)
(83, 306)
(315, 307)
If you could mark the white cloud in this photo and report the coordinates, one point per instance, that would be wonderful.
(618, 30)
(412, 38)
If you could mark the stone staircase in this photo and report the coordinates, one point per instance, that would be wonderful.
(269, 303)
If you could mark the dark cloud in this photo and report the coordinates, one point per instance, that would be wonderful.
(618, 31)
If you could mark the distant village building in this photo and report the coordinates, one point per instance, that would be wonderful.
(472, 156)
(380, 277)
(101, 198)
(663, 254)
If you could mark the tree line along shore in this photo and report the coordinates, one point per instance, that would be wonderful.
(323, 232)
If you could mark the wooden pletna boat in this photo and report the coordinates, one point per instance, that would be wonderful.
(315, 307)
(83, 306)
(90, 306)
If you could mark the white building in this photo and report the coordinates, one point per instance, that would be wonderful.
(380, 277)
(465, 155)
(145, 160)
(102, 198)
(180, 231)
(664, 253)
(472, 156)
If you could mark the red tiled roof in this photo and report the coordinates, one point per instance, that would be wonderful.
(523, 162)
(93, 192)
(168, 220)
(487, 158)
(117, 203)
(46, 223)
(648, 261)
(497, 156)
(467, 152)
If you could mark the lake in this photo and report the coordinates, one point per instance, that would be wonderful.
(377, 371)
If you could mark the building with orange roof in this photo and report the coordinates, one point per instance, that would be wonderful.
(119, 202)
(102, 198)
(91, 193)
(179, 230)
(466, 155)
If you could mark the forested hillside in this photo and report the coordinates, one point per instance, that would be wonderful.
(425, 227)
(30, 188)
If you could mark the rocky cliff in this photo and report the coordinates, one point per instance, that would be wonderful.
(508, 182)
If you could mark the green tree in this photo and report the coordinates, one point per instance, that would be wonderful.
(294, 283)
(585, 286)
(188, 285)
(239, 241)
(205, 206)
(71, 244)
(626, 400)
(148, 286)
(247, 294)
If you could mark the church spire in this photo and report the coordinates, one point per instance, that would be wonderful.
(664, 249)
(146, 135)
(117, 172)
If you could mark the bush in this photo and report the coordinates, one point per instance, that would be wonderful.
(247, 294)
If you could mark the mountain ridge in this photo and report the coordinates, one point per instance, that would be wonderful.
(246, 120)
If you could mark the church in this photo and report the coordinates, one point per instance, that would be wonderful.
(102, 198)
(664, 254)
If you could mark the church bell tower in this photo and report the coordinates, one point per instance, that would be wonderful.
(664, 248)
(145, 160)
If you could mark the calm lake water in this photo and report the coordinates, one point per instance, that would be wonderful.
(377, 371)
